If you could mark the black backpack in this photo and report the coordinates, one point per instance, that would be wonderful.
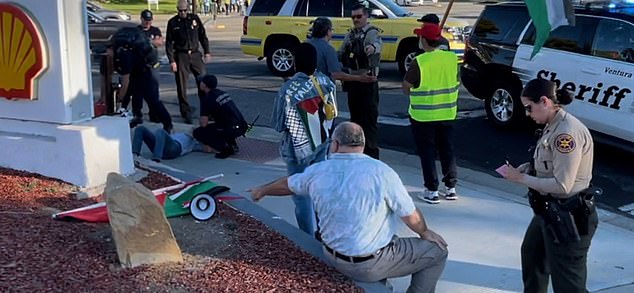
(133, 38)
(354, 56)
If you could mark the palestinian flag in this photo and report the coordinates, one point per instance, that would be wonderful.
(548, 15)
(309, 112)
(174, 199)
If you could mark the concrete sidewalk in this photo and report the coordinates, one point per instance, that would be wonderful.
(484, 228)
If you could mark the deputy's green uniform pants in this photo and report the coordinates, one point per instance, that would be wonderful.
(565, 263)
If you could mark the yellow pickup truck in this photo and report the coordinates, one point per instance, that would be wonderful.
(272, 28)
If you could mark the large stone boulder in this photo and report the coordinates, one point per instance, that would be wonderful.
(140, 230)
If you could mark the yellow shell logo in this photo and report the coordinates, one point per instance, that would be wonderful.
(21, 53)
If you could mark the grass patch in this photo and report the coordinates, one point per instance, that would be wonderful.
(134, 7)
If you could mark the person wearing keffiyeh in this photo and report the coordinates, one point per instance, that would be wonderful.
(299, 114)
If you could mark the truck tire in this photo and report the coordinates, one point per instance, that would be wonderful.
(503, 105)
(280, 58)
(406, 56)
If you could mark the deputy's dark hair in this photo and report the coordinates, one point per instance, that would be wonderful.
(564, 96)
(306, 58)
(360, 6)
(538, 87)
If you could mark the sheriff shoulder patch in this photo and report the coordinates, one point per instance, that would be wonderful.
(565, 143)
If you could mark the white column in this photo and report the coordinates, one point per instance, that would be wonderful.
(51, 131)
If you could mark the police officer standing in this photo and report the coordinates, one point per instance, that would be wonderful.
(360, 53)
(557, 240)
(185, 32)
(153, 33)
(432, 85)
(156, 38)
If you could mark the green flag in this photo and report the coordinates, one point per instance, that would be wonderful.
(548, 15)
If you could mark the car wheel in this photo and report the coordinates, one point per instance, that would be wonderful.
(503, 104)
(280, 59)
(406, 57)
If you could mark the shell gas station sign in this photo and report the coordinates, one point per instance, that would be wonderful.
(46, 97)
(22, 55)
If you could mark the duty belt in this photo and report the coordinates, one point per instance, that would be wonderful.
(352, 259)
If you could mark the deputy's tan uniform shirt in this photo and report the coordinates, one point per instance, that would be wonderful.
(372, 37)
(563, 157)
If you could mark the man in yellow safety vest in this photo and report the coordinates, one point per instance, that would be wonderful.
(432, 85)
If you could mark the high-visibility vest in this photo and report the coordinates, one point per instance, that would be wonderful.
(436, 97)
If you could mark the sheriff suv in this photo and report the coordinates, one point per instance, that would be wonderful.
(594, 59)
(272, 28)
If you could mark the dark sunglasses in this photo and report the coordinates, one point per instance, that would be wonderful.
(358, 16)
(182, 10)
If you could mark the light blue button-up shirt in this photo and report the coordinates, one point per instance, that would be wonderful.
(358, 200)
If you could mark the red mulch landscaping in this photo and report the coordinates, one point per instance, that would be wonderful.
(39, 254)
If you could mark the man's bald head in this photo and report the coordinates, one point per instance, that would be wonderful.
(349, 134)
(182, 7)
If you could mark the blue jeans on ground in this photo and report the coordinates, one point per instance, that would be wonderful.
(160, 143)
(304, 212)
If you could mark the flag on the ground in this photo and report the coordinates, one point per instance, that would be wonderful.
(176, 204)
(548, 15)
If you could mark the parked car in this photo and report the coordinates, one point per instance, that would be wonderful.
(409, 2)
(272, 28)
(101, 30)
(106, 13)
(594, 59)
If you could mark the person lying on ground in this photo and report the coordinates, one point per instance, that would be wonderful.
(164, 146)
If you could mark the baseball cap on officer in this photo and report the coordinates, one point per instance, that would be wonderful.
(429, 18)
(147, 15)
(428, 31)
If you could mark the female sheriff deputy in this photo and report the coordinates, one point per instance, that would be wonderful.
(557, 240)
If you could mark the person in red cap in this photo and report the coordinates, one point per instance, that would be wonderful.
(432, 86)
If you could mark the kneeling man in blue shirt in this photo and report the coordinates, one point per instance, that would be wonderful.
(358, 200)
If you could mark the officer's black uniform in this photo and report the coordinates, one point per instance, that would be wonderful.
(143, 84)
(228, 123)
(137, 103)
(181, 45)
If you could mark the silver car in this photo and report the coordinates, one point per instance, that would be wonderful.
(105, 13)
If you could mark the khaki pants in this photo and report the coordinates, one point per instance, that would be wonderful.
(422, 259)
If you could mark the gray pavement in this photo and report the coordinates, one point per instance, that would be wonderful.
(484, 228)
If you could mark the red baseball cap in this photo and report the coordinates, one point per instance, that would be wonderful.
(428, 31)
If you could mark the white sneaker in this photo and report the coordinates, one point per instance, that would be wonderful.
(124, 113)
(429, 196)
(450, 193)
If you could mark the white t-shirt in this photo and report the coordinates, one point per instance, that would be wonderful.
(358, 200)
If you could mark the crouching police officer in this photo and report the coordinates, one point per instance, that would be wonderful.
(228, 122)
(360, 54)
(557, 240)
